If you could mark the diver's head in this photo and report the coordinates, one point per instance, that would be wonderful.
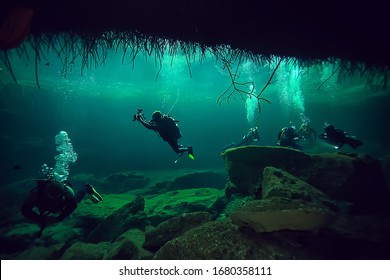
(55, 189)
(329, 128)
(156, 116)
(289, 132)
(255, 133)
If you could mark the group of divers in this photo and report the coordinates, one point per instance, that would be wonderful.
(53, 200)
(290, 137)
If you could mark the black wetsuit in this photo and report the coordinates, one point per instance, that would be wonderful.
(38, 205)
(338, 137)
(288, 137)
(168, 130)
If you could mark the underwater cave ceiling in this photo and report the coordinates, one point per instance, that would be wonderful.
(308, 31)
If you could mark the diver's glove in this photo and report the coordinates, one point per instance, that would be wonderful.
(94, 196)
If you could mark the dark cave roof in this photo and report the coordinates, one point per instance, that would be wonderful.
(311, 30)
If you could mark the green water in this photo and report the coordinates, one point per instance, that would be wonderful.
(95, 105)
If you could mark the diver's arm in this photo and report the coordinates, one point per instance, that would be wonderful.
(297, 136)
(28, 205)
(146, 124)
(280, 135)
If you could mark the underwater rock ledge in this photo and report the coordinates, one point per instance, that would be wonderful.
(347, 177)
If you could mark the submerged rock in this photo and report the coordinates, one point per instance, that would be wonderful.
(204, 179)
(353, 178)
(245, 165)
(162, 207)
(221, 240)
(86, 251)
(122, 182)
(275, 214)
(279, 183)
(131, 215)
(40, 253)
(157, 237)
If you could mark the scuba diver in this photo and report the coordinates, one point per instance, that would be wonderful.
(307, 132)
(338, 137)
(287, 137)
(166, 127)
(52, 201)
(249, 138)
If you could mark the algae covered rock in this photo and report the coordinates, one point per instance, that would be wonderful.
(157, 237)
(279, 183)
(162, 207)
(86, 251)
(131, 215)
(353, 178)
(245, 165)
(221, 240)
(191, 180)
(275, 214)
(123, 182)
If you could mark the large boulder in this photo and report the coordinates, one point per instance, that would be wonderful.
(18, 238)
(221, 240)
(158, 236)
(89, 214)
(121, 249)
(275, 214)
(279, 183)
(245, 165)
(137, 237)
(131, 215)
(162, 207)
(349, 177)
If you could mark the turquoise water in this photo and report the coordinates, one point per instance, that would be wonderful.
(95, 106)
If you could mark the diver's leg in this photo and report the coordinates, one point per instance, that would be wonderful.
(353, 142)
(183, 149)
(231, 145)
(175, 146)
(180, 149)
(80, 194)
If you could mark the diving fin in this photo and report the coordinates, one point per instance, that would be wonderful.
(191, 153)
(353, 142)
(94, 196)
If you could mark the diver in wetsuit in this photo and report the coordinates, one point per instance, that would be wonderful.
(288, 137)
(251, 137)
(52, 201)
(307, 132)
(338, 137)
(167, 129)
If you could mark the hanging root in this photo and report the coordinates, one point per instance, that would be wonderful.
(7, 63)
(93, 50)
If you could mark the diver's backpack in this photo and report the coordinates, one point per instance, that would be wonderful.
(170, 127)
